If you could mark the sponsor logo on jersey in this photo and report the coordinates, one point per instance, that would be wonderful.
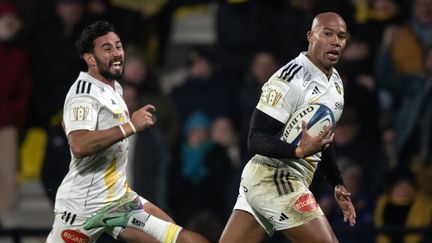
(272, 96)
(119, 116)
(80, 113)
(72, 236)
(316, 91)
(245, 189)
(314, 101)
(338, 88)
(339, 106)
(307, 78)
(306, 203)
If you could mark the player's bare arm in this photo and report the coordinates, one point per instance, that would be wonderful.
(343, 198)
(84, 142)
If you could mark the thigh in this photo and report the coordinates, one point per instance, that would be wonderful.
(314, 231)
(242, 227)
(133, 235)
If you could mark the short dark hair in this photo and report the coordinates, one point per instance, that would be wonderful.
(99, 28)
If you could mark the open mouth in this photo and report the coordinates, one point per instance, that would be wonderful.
(333, 55)
(116, 64)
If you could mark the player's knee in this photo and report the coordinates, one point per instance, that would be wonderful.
(328, 239)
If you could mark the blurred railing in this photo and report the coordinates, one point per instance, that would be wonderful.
(17, 234)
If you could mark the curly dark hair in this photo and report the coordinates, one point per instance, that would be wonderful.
(99, 28)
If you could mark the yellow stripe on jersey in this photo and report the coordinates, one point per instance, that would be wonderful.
(111, 176)
(126, 187)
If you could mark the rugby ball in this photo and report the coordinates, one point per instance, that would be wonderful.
(317, 116)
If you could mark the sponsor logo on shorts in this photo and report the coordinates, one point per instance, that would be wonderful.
(306, 203)
(72, 236)
(283, 217)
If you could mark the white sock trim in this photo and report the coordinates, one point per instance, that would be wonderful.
(159, 229)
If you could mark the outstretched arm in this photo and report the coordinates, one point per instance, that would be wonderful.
(343, 198)
(332, 174)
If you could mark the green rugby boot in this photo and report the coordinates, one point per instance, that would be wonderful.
(114, 214)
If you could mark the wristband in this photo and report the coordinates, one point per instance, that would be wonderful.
(122, 131)
(132, 126)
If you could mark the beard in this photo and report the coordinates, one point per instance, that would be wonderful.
(106, 73)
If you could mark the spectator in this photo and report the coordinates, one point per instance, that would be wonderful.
(148, 156)
(15, 86)
(402, 205)
(200, 174)
(262, 66)
(409, 95)
(353, 177)
(371, 18)
(223, 133)
(351, 146)
(148, 87)
(54, 73)
(414, 124)
(202, 90)
(405, 47)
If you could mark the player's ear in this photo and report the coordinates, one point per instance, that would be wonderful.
(309, 35)
(89, 59)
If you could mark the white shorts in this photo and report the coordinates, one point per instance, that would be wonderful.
(69, 227)
(276, 200)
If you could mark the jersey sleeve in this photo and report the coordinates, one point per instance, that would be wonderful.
(80, 113)
(278, 99)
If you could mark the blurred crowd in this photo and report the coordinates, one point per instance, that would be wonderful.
(189, 163)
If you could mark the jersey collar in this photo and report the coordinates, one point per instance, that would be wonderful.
(312, 67)
(100, 84)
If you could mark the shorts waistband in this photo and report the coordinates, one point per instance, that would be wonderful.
(270, 162)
